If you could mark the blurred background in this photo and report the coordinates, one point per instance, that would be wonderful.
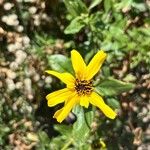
(32, 31)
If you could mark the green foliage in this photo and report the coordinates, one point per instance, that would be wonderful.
(111, 29)
(81, 127)
(76, 8)
(75, 26)
(113, 102)
(94, 3)
(79, 132)
(60, 63)
(110, 86)
(42, 33)
(76, 135)
(4, 130)
(40, 43)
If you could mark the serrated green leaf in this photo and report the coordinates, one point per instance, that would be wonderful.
(94, 3)
(110, 86)
(60, 63)
(75, 26)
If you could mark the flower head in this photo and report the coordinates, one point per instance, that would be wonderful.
(79, 89)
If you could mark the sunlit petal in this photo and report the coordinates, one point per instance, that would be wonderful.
(57, 113)
(61, 114)
(78, 64)
(97, 100)
(84, 101)
(67, 78)
(57, 97)
(95, 64)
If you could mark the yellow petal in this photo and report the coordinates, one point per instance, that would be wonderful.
(95, 64)
(84, 101)
(78, 64)
(57, 113)
(61, 114)
(97, 100)
(57, 97)
(67, 78)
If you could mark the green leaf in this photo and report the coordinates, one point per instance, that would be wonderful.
(75, 26)
(112, 86)
(70, 7)
(106, 71)
(81, 127)
(4, 129)
(123, 4)
(82, 7)
(107, 5)
(60, 63)
(140, 6)
(64, 129)
(76, 8)
(129, 78)
(43, 136)
(94, 3)
(89, 115)
(114, 103)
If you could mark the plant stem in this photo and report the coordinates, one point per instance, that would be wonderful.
(67, 144)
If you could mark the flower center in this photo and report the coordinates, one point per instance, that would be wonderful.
(83, 87)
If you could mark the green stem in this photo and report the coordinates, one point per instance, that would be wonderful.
(67, 144)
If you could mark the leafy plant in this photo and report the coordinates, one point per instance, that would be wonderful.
(110, 27)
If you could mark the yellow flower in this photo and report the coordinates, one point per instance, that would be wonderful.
(79, 89)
